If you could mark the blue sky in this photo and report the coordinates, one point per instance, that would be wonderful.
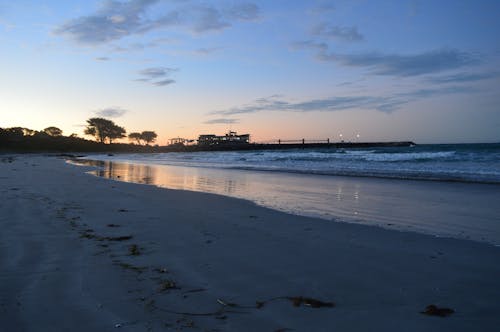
(385, 70)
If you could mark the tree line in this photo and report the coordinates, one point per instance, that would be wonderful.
(105, 133)
(106, 130)
(103, 130)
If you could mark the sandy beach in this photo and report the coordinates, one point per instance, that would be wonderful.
(81, 253)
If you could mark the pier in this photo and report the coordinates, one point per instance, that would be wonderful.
(288, 144)
(232, 141)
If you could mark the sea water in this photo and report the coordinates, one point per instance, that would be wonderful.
(445, 190)
(453, 162)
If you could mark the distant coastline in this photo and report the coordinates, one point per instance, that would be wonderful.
(29, 144)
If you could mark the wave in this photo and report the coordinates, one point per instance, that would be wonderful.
(417, 156)
(442, 163)
(273, 156)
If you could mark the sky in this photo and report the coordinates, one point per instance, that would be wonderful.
(357, 70)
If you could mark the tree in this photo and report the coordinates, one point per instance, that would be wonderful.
(29, 132)
(148, 136)
(103, 129)
(135, 137)
(15, 132)
(116, 132)
(53, 131)
(97, 127)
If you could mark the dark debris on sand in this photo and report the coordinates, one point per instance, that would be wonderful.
(433, 310)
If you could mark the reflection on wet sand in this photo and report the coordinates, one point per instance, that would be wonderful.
(166, 177)
(406, 205)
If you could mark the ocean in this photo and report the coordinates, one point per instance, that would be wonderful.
(448, 190)
(450, 162)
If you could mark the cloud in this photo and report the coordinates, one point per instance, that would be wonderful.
(429, 92)
(164, 82)
(168, 20)
(463, 77)
(209, 18)
(206, 51)
(405, 65)
(103, 58)
(316, 105)
(310, 44)
(112, 21)
(158, 76)
(243, 11)
(156, 72)
(324, 8)
(112, 112)
(349, 34)
(222, 120)
(141, 46)
(117, 19)
(384, 103)
(402, 65)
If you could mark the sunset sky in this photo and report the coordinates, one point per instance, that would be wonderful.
(427, 71)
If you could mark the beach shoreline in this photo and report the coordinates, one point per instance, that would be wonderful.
(79, 253)
(438, 208)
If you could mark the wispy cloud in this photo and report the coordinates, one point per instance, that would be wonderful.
(336, 32)
(243, 11)
(319, 47)
(158, 76)
(433, 92)
(115, 19)
(133, 47)
(315, 105)
(164, 82)
(208, 18)
(156, 72)
(111, 112)
(384, 103)
(463, 77)
(323, 8)
(222, 121)
(206, 51)
(405, 65)
(112, 21)
(102, 58)
(394, 64)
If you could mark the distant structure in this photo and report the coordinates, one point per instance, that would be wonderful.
(231, 138)
(180, 141)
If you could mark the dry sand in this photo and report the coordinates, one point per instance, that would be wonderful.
(201, 262)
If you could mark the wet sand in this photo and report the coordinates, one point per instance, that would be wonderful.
(81, 253)
(442, 208)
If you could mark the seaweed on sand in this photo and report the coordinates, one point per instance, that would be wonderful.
(133, 250)
(167, 284)
(433, 310)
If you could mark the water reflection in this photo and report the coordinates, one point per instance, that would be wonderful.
(126, 172)
(167, 177)
(387, 203)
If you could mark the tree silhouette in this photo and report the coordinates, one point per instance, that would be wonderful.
(148, 136)
(14, 132)
(103, 129)
(29, 132)
(135, 137)
(53, 131)
(95, 127)
(116, 132)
